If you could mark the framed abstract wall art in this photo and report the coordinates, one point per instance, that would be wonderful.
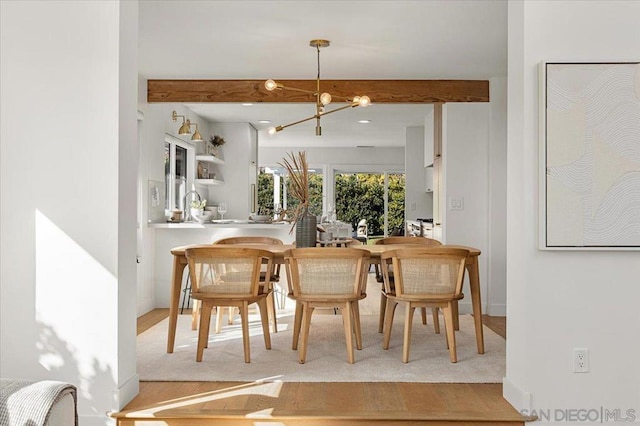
(590, 156)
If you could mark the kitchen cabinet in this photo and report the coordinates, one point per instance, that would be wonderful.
(428, 172)
(429, 139)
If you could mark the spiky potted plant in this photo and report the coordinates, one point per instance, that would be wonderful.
(304, 223)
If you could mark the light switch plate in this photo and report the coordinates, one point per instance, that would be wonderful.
(456, 204)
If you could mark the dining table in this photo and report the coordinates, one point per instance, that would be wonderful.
(375, 251)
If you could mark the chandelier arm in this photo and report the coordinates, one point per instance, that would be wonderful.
(299, 121)
(338, 109)
(322, 99)
(342, 98)
(318, 83)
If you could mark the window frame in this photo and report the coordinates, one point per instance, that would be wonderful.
(170, 193)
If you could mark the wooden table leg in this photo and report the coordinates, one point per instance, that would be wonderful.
(179, 264)
(474, 286)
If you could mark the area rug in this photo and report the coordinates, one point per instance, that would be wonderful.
(326, 355)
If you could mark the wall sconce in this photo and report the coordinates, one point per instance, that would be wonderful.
(185, 128)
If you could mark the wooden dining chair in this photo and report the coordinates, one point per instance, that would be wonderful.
(274, 277)
(427, 242)
(423, 277)
(228, 276)
(327, 277)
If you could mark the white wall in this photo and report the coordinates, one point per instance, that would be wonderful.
(418, 203)
(239, 156)
(68, 143)
(465, 150)
(156, 124)
(557, 301)
(496, 295)
(366, 159)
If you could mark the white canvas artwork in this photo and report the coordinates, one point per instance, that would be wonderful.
(590, 136)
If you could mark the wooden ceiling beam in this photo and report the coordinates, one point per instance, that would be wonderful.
(380, 91)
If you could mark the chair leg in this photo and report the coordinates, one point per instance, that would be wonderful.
(306, 323)
(348, 331)
(454, 310)
(423, 312)
(244, 319)
(271, 309)
(264, 318)
(194, 313)
(450, 329)
(408, 322)
(383, 306)
(436, 320)
(232, 313)
(297, 323)
(219, 311)
(355, 318)
(203, 332)
(388, 322)
(283, 296)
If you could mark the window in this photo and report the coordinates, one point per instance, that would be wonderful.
(179, 159)
(376, 197)
(272, 190)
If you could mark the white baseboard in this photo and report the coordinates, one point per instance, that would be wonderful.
(95, 420)
(520, 399)
(144, 306)
(123, 395)
(465, 308)
(493, 310)
(497, 310)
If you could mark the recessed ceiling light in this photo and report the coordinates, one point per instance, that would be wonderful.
(364, 121)
(264, 121)
(247, 104)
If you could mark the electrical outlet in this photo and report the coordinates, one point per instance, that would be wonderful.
(580, 360)
(456, 203)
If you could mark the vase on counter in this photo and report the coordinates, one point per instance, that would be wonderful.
(196, 212)
(306, 230)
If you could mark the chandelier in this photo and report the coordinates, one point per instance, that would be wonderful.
(322, 99)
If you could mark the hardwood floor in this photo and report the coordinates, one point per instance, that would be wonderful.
(190, 403)
(287, 403)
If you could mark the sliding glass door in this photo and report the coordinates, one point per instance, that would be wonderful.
(377, 198)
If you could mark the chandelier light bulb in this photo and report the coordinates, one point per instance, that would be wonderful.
(321, 99)
(364, 101)
(270, 85)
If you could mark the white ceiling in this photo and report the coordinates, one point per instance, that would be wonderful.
(444, 39)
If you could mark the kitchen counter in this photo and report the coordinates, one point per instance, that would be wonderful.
(231, 224)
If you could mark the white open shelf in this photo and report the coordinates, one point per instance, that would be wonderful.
(208, 158)
(208, 182)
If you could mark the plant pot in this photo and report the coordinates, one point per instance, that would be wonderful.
(306, 230)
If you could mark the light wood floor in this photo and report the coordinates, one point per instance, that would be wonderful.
(209, 403)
